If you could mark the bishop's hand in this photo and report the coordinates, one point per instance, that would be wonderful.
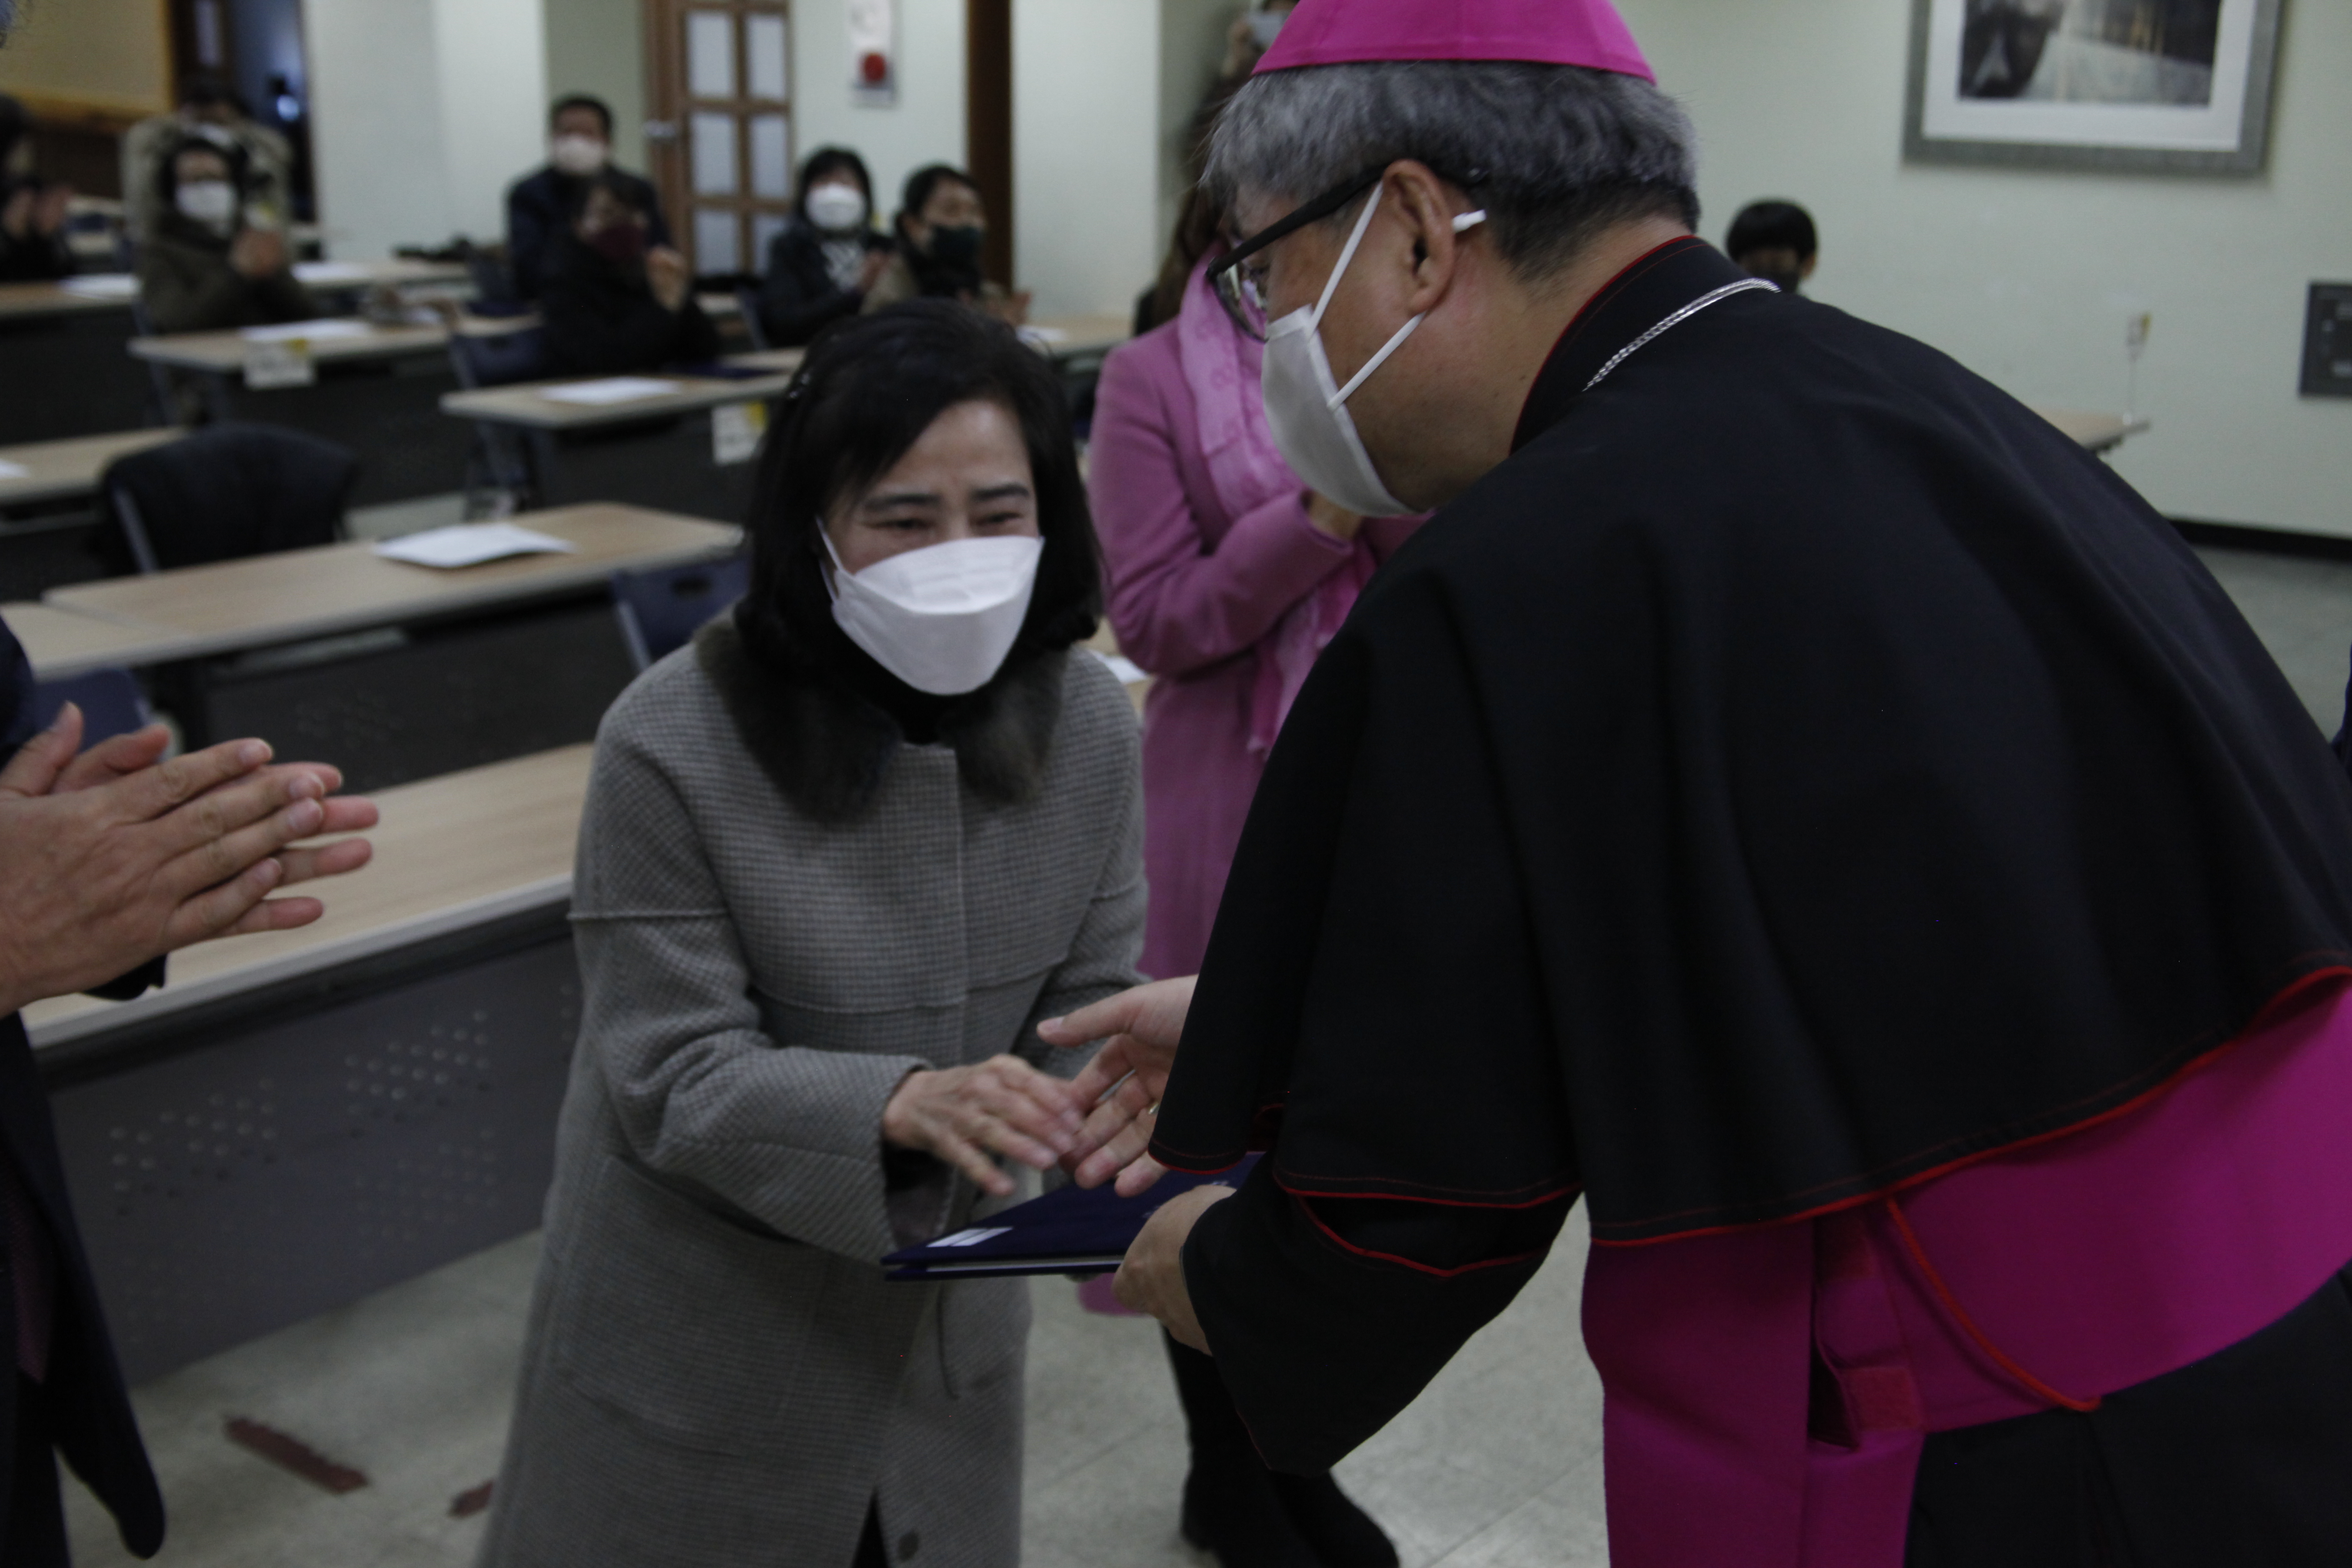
(1152, 1280)
(1125, 1082)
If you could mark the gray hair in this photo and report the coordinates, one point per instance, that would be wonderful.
(1554, 153)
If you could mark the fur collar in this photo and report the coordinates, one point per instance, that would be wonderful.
(829, 749)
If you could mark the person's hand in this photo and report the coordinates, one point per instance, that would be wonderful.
(1012, 309)
(1122, 1086)
(257, 253)
(668, 276)
(51, 209)
(1151, 1278)
(870, 270)
(1332, 518)
(98, 879)
(1242, 53)
(1002, 1106)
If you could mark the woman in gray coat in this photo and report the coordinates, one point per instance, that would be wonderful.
(840, 857)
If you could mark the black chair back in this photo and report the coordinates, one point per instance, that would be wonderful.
(226, 492)
(111, 702)
(498, 358)
(661, 610)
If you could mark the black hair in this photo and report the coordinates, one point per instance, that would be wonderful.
(589, 101)
(1772, 226)
(167, 172)
(827, 161)
(917, 193)
(868, 389)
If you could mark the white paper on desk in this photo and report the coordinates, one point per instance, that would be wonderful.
(615, 389)
(327, 274)
(101, 286)
(1044, 337)
(470, 544)
(9, 470)
(1128, 673)
(309, 331)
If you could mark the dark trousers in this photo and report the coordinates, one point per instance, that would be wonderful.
(869, 1544)
(33, 1533)
(2243, 1458)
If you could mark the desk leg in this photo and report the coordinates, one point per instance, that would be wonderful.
(220, 395)
(546, 454)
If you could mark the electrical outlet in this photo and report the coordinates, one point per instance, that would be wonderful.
(2327, 341)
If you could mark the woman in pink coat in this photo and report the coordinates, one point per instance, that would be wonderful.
(1227, 577)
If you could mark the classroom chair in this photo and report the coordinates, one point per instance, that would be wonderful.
(498, 472)
(225, 492)
(661, 610)
(747, 300)
(111, 702)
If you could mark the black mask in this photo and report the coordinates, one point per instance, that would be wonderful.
(957, 248)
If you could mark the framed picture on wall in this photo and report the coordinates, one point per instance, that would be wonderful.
(2164, 86)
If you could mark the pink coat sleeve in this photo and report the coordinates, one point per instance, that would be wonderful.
(1178, 602)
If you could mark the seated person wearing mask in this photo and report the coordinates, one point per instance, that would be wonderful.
(32, 210)
(541, 207)
(208, 108)
(203, 267)
(1775, 241)
(616, 301)
(942, 224)
(840, 857)
(827, 256)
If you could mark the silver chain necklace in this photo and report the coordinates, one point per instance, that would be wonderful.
(1677, 320)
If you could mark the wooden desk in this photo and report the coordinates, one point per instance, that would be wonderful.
(1081, 337)
(303, 1117)
(27, 301)
(450, 853)
(223, 354)
(62, 470)
(527, 405)
(303, 593)
(62, 643)
(2094, 432)
(394, 273)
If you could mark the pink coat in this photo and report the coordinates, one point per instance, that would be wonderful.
(1193, 592)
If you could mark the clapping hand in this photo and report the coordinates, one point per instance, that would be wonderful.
(1002, 1106)
(1123, 1084)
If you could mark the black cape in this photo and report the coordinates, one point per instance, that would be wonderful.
(1797, 770)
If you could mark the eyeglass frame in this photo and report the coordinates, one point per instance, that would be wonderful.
(1224, 279)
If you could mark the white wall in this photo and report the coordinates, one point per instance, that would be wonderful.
(1086, 151)
(925, 126)
(2028, 276)
(598, 47)
(422, 111)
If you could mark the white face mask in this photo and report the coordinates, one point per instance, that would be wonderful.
(211, 203)
(578, 156)
(837, 209)
(1308, 409)
(940, 619)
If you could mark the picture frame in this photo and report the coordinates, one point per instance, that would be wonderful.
(2177, 87)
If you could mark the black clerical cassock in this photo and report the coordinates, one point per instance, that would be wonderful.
(1798, 771)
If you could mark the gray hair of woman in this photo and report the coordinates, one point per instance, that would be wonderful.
(1555, 153)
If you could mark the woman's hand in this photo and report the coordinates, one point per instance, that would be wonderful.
(669, 277)
(1332, 518)
(1121, 1087)
(257, 253)
(1002, 1106)
(870, 270)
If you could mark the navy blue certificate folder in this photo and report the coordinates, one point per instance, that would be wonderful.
(1066, 1232)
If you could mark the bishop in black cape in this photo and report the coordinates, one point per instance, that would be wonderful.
(1798, 770)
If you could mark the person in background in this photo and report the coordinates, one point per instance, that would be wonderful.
(1227, 575)
(839, 857)
(542, 207)
(615, 299)
(110, 858)
(32, 210)
(205, 266)
(827, 256)
(209, 109)
(1774, 241)
(941, 225)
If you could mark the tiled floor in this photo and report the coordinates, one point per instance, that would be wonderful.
(1498, 1466)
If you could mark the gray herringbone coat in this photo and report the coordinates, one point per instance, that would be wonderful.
(716, 1372)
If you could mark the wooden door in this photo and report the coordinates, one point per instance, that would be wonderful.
(721, 85)
(988, 124)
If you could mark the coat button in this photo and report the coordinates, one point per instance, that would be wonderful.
(910, 1543)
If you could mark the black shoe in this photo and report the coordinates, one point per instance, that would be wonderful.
(1341, 1534)
(1233, 1514)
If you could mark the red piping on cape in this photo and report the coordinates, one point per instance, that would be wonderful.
(1968, 1325)
(1344, 1245)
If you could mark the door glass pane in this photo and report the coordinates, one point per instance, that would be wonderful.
(714, 156)
(718, 239)
(711, 54)
(772, 158)
(765, 226)
(763, 41)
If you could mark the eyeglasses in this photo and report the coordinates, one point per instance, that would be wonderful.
(1238, 278)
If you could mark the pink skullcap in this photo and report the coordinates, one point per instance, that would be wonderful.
(1547, 32)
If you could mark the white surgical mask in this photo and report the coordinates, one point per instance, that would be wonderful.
(211, 203)
(837, 209)
(1308, 409)
(940, 619)
(578, 156)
